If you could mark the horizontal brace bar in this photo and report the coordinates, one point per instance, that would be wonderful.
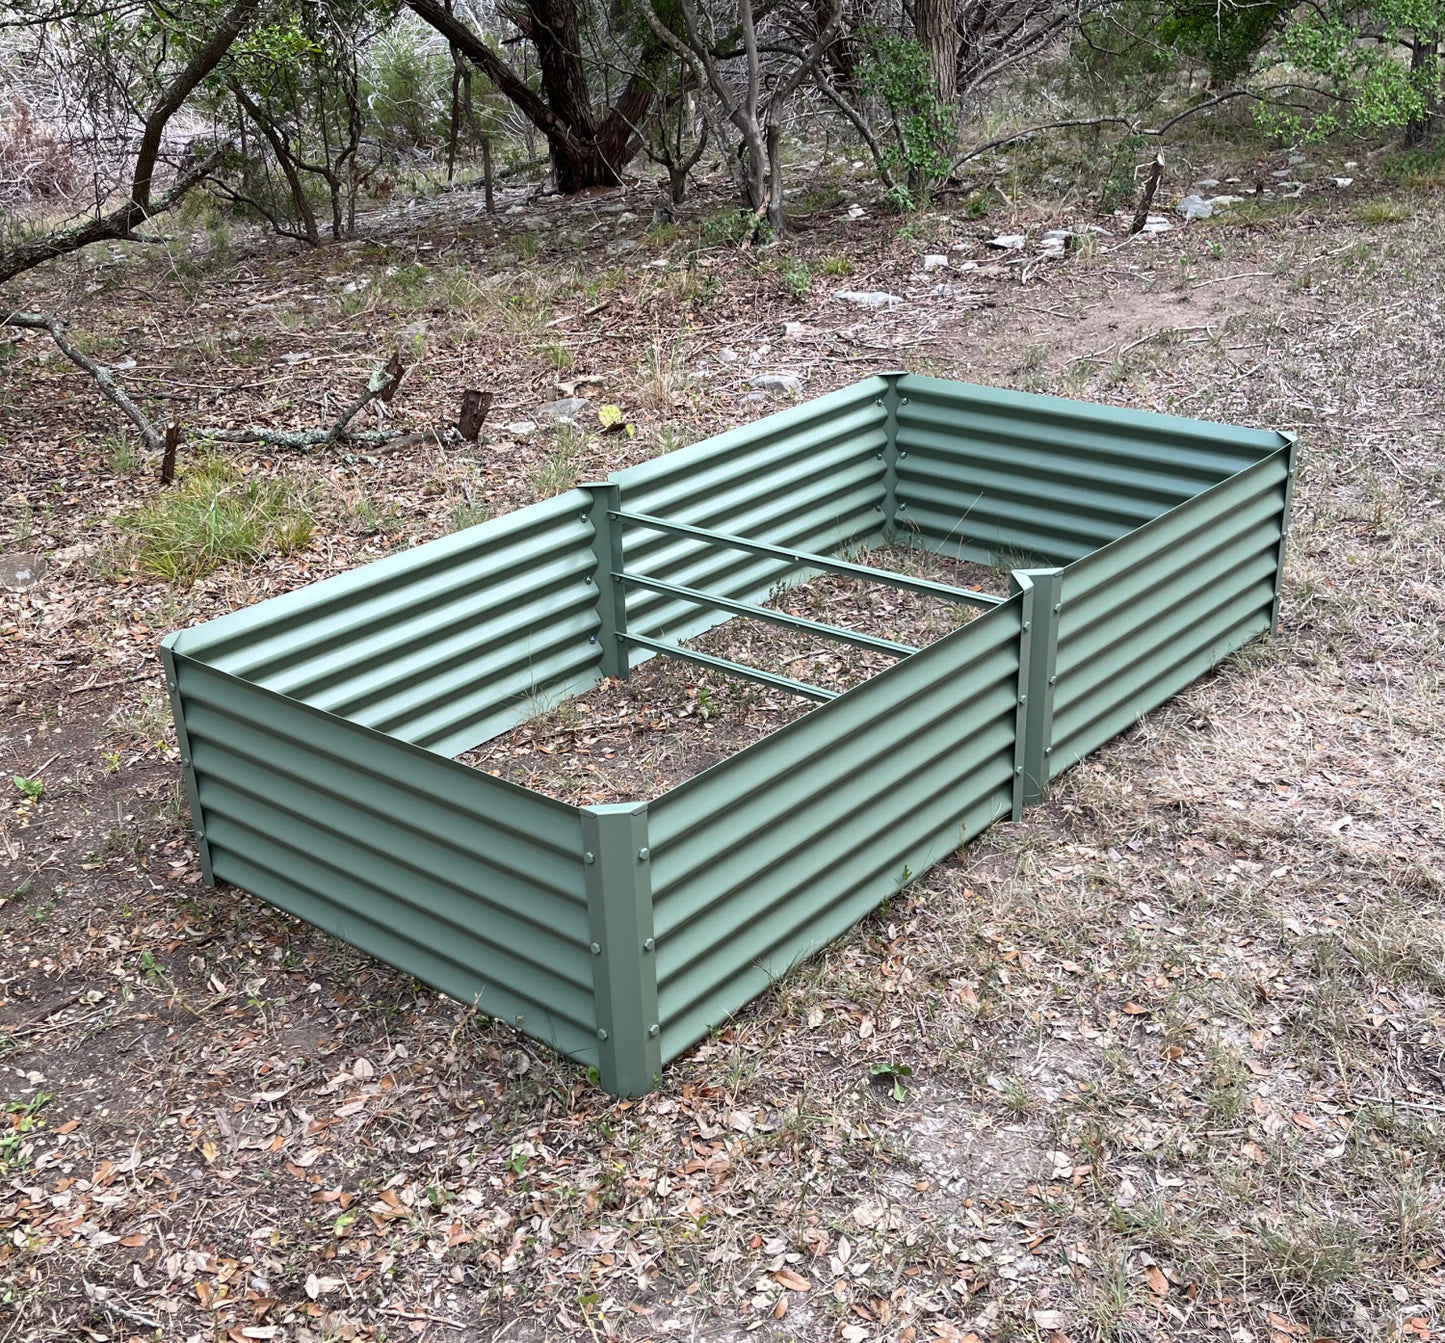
(765, 613)
(732, 668)
(826, 563)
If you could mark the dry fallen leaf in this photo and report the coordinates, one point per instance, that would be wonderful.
(792, 1281)
(1158, 1283)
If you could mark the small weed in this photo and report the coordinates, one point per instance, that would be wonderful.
(837, 265)
(123, 458)
(797, 276)
(893, 1075)
(34, 789)
(148, 721)
(465, 513)
(215, 516)
(556, 354)
(1382, 212)
(557, 471)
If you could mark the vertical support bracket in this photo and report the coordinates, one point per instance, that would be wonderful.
(1038, 662)
(1291, 460)
(188, 770)
(890, 400)
(611, 592)
(624, 956)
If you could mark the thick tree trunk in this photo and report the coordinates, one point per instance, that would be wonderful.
(585, 153)
(936, 22)
(1422, 53)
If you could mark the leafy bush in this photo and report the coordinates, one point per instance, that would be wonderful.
(897, 73)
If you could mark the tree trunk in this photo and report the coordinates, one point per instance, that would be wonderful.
(585, 153)
(936, 23)
(1422, 53)
(775, 179)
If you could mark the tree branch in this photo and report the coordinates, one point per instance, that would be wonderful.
(104, 377)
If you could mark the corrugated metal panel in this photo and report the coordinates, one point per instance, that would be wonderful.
(1145, 616)
(771, 854)
(1009, 477)
(444, 645)
(810, 477)
(473, 885)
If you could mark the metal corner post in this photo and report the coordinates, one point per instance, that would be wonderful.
(1042, 607)
(611, 593)
(183, 740)
(890, 401)
(624, 956)
(1291, 459)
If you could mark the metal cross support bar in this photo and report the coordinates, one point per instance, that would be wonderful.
(732, 668)
(826, 563)
(765, 613)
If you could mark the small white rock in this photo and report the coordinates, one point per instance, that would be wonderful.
(1009, 242)
(873, 298)
(1343, 182)
(935, 261)
(855, 212)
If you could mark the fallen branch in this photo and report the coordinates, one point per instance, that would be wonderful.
(380, 386)
(104, 376)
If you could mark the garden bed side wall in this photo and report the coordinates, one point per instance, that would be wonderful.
(444, 645)
(811, 477)
(768, 856)
(1145, 616)
(1017, 480)
(474, 885)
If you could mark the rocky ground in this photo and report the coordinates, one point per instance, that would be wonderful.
(1165, 1061)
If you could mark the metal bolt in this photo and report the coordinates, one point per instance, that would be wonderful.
(588, 580)
(1048, 750)
(170, 685)
(597, 948)
(520, 1019)
(1018, 769)
(1026, 625)
(654, 1029)
(200, 833)
(186, 761)
(877, 456)
(902, 455)
(878, 401)
(1058, 606)
(591, 638)
(589, 857)
(648, 945)
(877, 508)
(643, 855)
(902, 505)
(601, 1034)
(585, 518)
(903, 401)
(1023, 699)
(1053, 680)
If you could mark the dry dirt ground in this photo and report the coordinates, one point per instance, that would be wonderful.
(1165, 1061)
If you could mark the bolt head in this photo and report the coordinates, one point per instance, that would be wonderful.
(643, 855)
(649, 944)
(654, 1029)
(597, 948)
(589, 857)
(601, 1034)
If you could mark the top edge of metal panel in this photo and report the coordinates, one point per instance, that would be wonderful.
(1099, 414)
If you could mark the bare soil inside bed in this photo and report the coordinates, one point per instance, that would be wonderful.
(632, 740)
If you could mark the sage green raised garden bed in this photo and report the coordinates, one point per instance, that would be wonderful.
(317, 730)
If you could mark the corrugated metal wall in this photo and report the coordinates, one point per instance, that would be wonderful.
(1008, 477)
(444, 645)
(473, 885)
(810, 476)
(773, 853)
(1145, 616)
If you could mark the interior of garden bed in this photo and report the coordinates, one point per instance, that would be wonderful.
(631, 740)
